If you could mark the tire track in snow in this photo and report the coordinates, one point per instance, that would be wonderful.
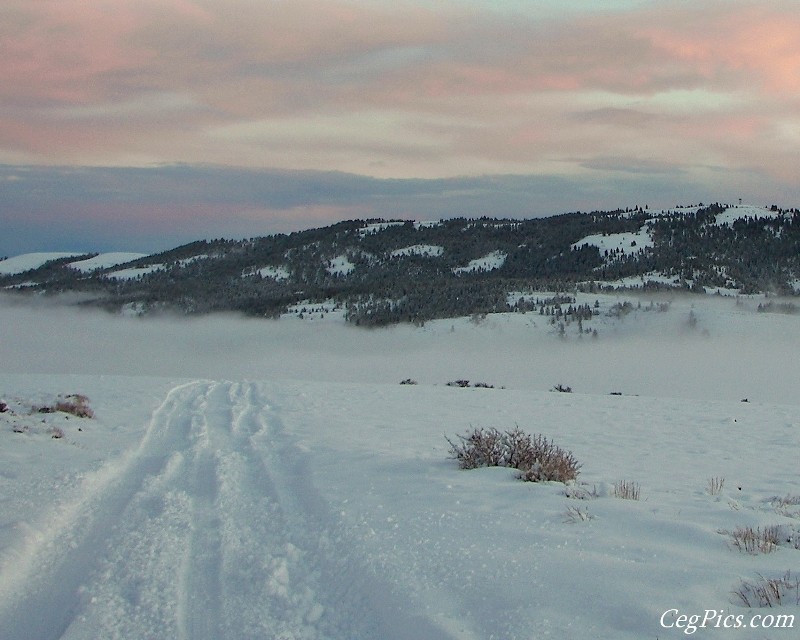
(49, 590)
(354, 601)
(269, 583)
(211, 529)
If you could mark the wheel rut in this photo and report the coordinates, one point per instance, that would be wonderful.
(212, 529)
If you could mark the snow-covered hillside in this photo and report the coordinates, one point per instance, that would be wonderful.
(28, 261)
(245, 479)
(624, 243)
(494, 260)
(105, 260)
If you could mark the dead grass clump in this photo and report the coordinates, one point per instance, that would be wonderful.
(715, 485)
(789, 500)
(758, 540)
(769, 592)
(577, 514)
(627, 490)
(536, 457)
(788, 506)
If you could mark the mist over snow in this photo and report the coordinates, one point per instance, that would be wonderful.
(731, 352)
(243, 478)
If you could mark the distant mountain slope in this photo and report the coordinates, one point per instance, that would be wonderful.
(31, 261)
(382, 272)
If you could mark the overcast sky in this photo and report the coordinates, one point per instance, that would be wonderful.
(142, 124)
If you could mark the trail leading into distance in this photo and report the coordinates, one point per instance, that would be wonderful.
(209, 530)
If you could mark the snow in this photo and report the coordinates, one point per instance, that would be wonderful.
(640, 281)
(627, 243)
(730, 215)
(105, 260)
(28, 261)
(132, 273)
(377, 227)
(276, 273)
(420, 250)
(267, 479)
(494, 260)
(340, 265)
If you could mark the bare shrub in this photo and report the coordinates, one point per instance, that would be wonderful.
(715, 485)
(545, 461)
(481, 448)
(560, 388)
(76, 405)
(408, 381)
(56, 433)
(769, 592)
(758, 540)
(536, 457)
(627, 490)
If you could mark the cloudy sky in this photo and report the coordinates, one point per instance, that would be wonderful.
(142, 124)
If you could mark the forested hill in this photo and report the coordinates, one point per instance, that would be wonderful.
(383, 272)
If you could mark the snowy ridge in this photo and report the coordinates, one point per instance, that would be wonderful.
(377, 227)
(132, 273)
(105, 260)
(28, 261)
(738, 212)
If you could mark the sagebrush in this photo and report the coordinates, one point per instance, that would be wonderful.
(537, 458)
(75, 404)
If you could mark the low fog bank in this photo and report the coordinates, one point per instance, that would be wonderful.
(700, 348)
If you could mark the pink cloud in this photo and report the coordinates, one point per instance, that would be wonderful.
(103, 81)
(736, 43)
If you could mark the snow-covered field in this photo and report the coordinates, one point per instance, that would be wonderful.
(272, 479)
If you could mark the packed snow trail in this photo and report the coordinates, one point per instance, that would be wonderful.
(209, 530)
